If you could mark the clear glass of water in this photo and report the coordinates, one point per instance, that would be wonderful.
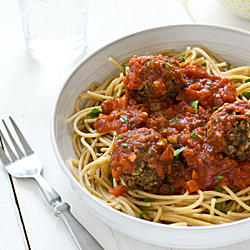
(54, 29)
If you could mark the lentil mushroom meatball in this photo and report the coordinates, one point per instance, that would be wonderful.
(141, 157)
(153, 78)
(229, 130)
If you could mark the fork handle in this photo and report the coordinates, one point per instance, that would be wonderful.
(82, 237)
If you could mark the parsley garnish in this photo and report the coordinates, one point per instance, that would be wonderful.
(172, 188)
(248, 80)
(194, 104)
(111, 181)
(79, 97)
(219, 189)
(217, 107)
(178, 151)
(148, 63)
(228, 65)
(126, 143)
(149, 152)
(218, 207)
(235, 210)
(247, 113)
(175, 120)
(124, 119)
(165, 119)
(231, 186)
(201, 137)
(182, 57)
(216, 119)
(207, 86)
(196, 152)
(202, 125)
(147, 200)
(94, 112)
(119, 137)
(220, 177)
(246, 94)
(143, 212)
(192, 134)
(169, 64)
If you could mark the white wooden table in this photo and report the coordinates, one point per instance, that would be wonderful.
(27, 93)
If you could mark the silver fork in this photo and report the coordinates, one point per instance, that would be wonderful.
(30, 166)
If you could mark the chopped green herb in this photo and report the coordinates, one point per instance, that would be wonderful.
(147, 200)
(247, 113)
(126, 143)
(149, 152)
(218, 207)
(164, 131)
(172, 188)
(235, 210)
(143, 212)
(248, 80)
(218, 107)
(148, 63)
(196, 152)
(175, 120)
(178, 151)
(94, 112)
(201, 137)
(192, 134)
(219, 189)
(119, 137)
(240, 96)
(79, 97)
(124, 66)
(228, 65)
(169, 64)
(194, 104)
(124, 119)
(165, 119)
(231, 187)
(220, 177)
(207, 86)
(111, 181)
(182, 57)
(183, 184)
(202, 125)
(216, 119)
(246, 94)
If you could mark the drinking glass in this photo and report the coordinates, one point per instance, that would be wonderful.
(54, 29)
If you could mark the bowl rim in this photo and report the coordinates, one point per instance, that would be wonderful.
(86, 192)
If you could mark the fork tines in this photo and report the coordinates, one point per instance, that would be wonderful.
(23, 141)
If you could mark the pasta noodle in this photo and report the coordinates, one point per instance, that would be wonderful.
(93, 169)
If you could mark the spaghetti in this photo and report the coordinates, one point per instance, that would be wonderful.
(219, 205)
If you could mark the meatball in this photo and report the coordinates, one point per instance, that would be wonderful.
(141, 157)
(144, 177)
(229, 130)
(153, 78)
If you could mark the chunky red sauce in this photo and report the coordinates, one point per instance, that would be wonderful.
(119, 190)
(183, 123)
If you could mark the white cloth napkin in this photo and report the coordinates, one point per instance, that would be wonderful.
(211, 11)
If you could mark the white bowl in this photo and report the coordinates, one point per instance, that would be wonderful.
(231, 44)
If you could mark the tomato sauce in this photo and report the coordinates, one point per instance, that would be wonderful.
(201, 165)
